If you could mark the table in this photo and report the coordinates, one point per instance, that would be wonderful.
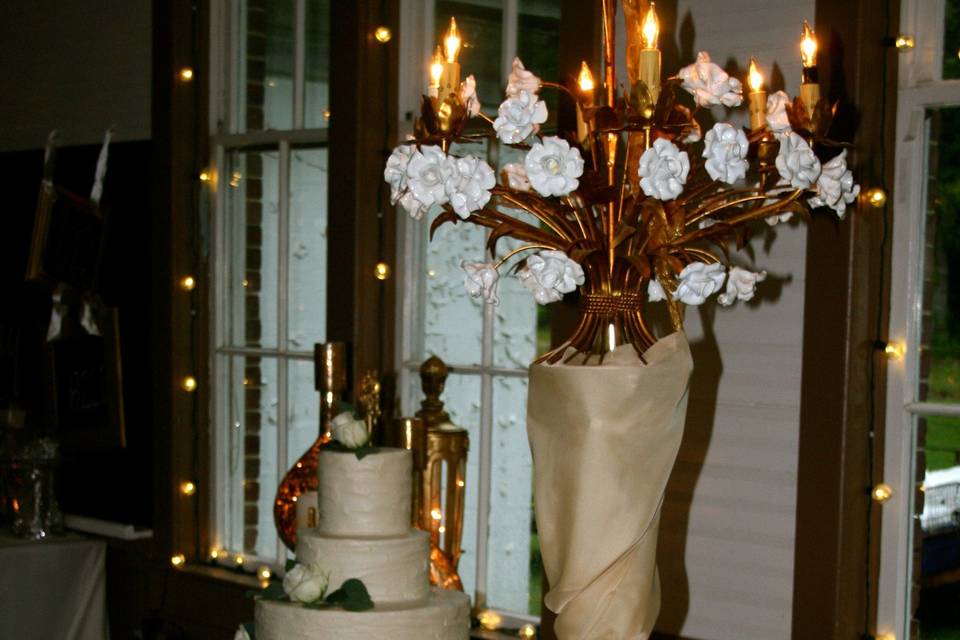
(53, 589)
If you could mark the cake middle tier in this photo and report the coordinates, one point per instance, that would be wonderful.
(394, 569)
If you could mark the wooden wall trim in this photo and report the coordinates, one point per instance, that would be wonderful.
(363, 129)
(845, 311)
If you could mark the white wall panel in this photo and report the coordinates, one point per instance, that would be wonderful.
(78, 67)
(727, 536)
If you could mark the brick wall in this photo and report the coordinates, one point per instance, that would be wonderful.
(253, 183)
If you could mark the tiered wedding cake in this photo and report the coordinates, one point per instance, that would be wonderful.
(364, 532)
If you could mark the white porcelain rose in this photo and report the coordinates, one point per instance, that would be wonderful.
(663, 170)
(519, 116)
(553, 166)
(725, 150)
(835, 186)
(655, 292)
(469, 191)
(468, 95)
(521, 80)
(709, 84)
(429, 176)
(550, 274)
(395, 173)
(306, 583)
(481, 280)
(741, 285)
(777, 118)
(350, 431)
(698, 281)
(796, 161)
(515, 176)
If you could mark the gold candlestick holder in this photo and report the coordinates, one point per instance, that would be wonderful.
(442, 489)
(295, 505)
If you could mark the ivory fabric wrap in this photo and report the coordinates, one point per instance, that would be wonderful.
(604, 439)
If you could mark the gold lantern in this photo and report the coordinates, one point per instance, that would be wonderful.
(443, 478)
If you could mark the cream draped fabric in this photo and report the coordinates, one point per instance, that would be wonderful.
(604, 439)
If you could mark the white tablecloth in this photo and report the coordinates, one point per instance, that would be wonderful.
(53, 589)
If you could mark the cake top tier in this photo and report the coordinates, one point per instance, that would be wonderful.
(364, 497)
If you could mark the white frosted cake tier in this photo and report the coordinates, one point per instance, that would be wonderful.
(444, 615)
(368, 497)
(394, 569)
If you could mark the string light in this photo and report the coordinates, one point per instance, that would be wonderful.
(383, 34)
(178, 560)
(894, 350)
(239, 560)
(441, 529)
(886, 636)
(188, 488)
(876, 197)
(881, 493)
(905, 41)
(460, 483)
(186, 74)
(381, 271)
(189, 384)
(215, 553)
(527, 631)
(436, 514)
(264, 573)
(235, 179)
(187, 283)
(489, 620)
(204, 176)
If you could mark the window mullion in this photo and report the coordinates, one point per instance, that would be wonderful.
(484, 454)
(509, 38)
(283, 242)
(299, 60)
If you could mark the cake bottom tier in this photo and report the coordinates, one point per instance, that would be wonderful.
(443, 615)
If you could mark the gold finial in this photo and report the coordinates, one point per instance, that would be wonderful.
(433, 376)
(368, 398)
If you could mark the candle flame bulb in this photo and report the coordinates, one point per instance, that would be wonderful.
(585, 79)
(451, 41)
(650, 29)
(808, 46)
(436, 68)
(755, 77)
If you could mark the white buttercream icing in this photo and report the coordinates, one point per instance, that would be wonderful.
(368, 497)
(393, 569)
(444, 615)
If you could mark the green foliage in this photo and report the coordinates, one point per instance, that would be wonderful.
(360, 452)
(352, 596)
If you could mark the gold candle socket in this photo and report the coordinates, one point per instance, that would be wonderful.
(810, 96)
(650, 73)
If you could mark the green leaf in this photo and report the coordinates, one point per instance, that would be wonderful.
(273, 591)
(352, 596)
(291, 563)
(363, 452)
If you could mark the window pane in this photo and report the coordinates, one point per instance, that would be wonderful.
(951, 39)
(263, 94)
(251, 234)
(939, 379)
(481, 25)
(251, 473)
(539, 27)
(511, 514)
(937, 533)
(316, 91)
(307, 295)
(303, 409)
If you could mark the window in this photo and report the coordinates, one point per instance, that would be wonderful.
(270, 93)
(488, 348)
(921, 523)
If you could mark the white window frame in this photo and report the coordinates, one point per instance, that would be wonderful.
(416, 47)
(225, 49)
(920, 87)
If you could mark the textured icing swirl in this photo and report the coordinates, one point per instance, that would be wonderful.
(444, 615)
(393, 569)
(368, 497)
